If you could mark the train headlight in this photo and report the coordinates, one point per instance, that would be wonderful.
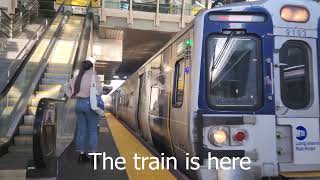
(219, 136)
(295, 14)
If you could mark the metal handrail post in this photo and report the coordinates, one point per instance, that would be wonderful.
(157, 22)
(21, 20)
(130, 17)
(182, 22)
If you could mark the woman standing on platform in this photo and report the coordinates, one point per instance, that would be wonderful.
(87, 119)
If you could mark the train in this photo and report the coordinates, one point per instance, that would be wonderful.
(241, 80)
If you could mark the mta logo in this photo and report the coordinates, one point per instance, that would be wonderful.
(301, 133)
(187, 70)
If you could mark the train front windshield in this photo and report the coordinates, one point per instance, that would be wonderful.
(234, 72)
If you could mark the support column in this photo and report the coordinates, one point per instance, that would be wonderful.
(101, 12)
(14, 5)
(182, 22)
(157, 21)
(208, 4)
(130, 16)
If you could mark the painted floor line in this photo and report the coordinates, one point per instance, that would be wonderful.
(127, 146)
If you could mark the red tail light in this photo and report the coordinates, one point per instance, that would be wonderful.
(240, 136)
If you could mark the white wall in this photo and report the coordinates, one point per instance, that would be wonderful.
(107, 49)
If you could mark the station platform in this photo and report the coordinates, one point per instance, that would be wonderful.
(116, 141)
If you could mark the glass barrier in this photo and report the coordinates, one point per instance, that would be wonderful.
(112, 4)
(165, 7)
(12, 100)
(145, 7)
(170, 8)
(9, 67)
(54, 129)
(66, 125)
(56, 126)
(188, 10)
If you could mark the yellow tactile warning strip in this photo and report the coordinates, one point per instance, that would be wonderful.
(127, 146)
(301, 174)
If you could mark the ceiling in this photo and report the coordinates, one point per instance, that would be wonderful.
(138, 47)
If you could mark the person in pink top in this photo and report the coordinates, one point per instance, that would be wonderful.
(79, 88)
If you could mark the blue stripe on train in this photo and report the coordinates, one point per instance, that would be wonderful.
(264, 31)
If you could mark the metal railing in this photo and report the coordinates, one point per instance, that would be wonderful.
(21, 57)
(11, 25)
(173, 12)
(167, 8)
(27, 48)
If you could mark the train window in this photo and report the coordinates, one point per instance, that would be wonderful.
(126, 100)
(154, 99)
(294, 74)
(131, 100)
(179, 84)
(234, 72)
(120, 100)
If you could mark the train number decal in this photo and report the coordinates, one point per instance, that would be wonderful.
(296, 32)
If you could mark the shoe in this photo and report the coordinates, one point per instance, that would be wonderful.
(83, 158)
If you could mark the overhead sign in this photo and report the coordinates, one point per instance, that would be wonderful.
(95, 3)
(195, 10)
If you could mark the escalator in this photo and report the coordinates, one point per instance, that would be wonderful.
(47, 68)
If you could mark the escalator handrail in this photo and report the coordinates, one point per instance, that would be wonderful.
(38, 156)
(22, 102)
(28, 55)
(38, 126)
(81, 52)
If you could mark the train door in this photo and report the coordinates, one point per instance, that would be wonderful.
(297, 103)
(179, 112)
(117, 99)
(113, 104)
(159, 105)
(143, 109)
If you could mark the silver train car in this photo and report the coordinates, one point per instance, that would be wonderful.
(240, 81)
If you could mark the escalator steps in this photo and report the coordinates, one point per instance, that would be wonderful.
(46, 5)
(23, 140)
(46, 13)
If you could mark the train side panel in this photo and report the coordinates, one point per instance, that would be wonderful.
(143, 103)
(182, 50)
(127, 107)
(160, 82)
